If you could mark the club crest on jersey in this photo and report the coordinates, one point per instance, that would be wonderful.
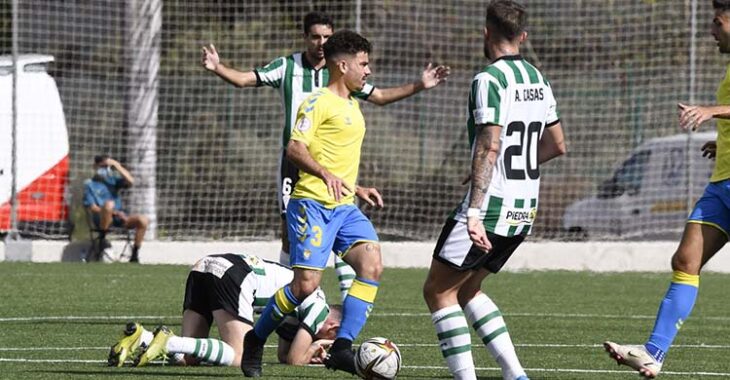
(304, 124)
(516, 217)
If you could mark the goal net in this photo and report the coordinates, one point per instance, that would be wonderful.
(208, 169)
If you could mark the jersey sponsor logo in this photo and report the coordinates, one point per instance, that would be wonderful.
(217, 266)
(516, 217)
(304, 124)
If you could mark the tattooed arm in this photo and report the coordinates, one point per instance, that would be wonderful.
(486, 150)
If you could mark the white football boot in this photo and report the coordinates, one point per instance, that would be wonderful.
(636, 357)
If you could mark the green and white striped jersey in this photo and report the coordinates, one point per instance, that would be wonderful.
(296, 79)
(258, 280)
(511, 93)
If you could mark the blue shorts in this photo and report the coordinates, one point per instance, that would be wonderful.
(713, 208)
(315, 231)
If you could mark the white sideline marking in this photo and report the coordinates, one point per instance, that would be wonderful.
(51, 348)
(375, 315)
(7, 360)
(580, 370)
(548, 370)
(87, 318)
(401, 345)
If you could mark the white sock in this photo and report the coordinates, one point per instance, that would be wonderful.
(455, 341)
(284, 258)
(213, 351)
(146, 337)
(345, 275)
(487, 320)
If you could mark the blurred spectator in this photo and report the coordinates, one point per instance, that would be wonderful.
(102, 198)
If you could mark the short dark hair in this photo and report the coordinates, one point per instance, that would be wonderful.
(99, 158)
(721, 5)
(317, 18)
(507, 18)
(345, 42)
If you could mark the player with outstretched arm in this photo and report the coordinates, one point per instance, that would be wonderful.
(298, 76)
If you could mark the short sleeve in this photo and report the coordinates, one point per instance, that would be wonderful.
(89, 199)
(309, 117)
(365, 92)
(313, 311)
(553, 115)
(486, 100)
(272, 74)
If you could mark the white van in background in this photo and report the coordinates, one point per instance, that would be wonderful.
(646, 198)
(42, 148)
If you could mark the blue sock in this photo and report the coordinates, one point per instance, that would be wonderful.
(357, 307)
(281, 303)
(673, 311)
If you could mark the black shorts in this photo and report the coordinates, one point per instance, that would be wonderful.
(206, 292)
(288, 177)
(455, 249)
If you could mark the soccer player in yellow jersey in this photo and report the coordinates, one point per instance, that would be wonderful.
(322, 217)
(707, 227)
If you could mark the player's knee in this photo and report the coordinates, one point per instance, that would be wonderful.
(431, 294)
(374, 262)
(303, 288)
(427, 290)
(466, 294)
(685, 263)
(108, 206)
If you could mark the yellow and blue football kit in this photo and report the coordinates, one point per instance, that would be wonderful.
(333, 129)
(713, 208)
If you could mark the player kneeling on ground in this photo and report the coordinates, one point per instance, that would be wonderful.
(225, 289)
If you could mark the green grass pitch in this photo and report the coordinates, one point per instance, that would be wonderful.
(57, 321)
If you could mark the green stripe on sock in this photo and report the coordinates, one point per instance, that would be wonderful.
(346, 277)
(494, 334)
(486, 318)
(220, 351)
(196, 352)
(340, 264)
(456, 350)
(206, 356)
(453, 333)
(451, 315)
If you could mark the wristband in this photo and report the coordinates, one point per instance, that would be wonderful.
(473, 211)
